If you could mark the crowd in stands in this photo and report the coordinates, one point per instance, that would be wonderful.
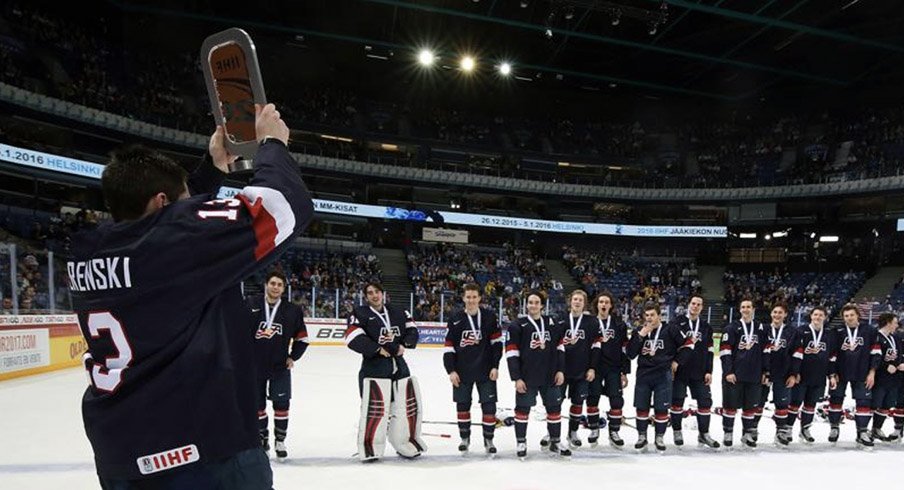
(727, 151)
(508, 273)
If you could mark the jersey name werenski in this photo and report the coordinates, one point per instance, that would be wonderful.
(100, 274)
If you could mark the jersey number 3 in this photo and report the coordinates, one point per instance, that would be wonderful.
(106, 375)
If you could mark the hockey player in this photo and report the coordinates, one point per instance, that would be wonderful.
(899, 406)
(172, 394)
(781, 340)
(697, 375)
(813, 362)
(888, 376)
(391, 404)
(471, 357)
(535, 353)
(743, 354)
(858, 358)
(277, 324)
(611, 374)
(582, 354)
(661, 350)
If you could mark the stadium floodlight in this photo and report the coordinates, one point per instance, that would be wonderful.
(780, 234)
(767, 237)
(828, 238)
(426, 57)
(505, 69)
(467, 63)
(747, 235)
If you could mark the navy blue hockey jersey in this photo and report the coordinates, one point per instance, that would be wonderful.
(858, 352)
(169, 339)
(271, 342)
(582, 346)
(892, 353)
(814, 355)
(613, 345)
(473, 348)
(656, 352)
(700, 360)
(781, 343)
(744, 351)
(369, 330)
(535, 354)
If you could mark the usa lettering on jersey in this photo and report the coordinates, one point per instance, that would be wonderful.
(748, 342)
(814, 348)
(536, 342)
(470, 337)
(777, 346)
(851, 344)
(574, 339)
(608, 334)
(267, 333)
(649, 348)
(388, 335)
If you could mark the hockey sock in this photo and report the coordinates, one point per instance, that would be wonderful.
(615, 419)
(780, 418)
(521, 416)
(703, 416)
(899, 418)
(862, 416)
(835, 412)
(464, 420)
(757, 415)
(643, 421)
(489, 419)
(662, 422)
(747, 420)
(793, 410)
(676, 414)
(806, 416)
(593, 417)
(280, 420)
(262, 423)
(574, 418)
(879, 418)
(728, 415)
(554, 425)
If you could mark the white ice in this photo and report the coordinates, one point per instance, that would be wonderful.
(43, 444)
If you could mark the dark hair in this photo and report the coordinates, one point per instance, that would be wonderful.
(134, 175)
(745, 299)
(537, 293)
(375, 285)
(278, 275)
(821, 308)
(781, 305)
(596, 301)
(695, 296)
(850, 306)
(652, 306)
(471, 286)
(886, 318)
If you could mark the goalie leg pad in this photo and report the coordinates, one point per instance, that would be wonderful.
(373, 425)
(407, 414)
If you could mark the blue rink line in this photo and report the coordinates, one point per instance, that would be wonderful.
(46, 468)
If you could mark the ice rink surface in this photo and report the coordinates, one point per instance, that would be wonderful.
(44, 445)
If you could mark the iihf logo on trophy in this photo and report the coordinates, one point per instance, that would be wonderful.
(387, 335)
(574, 339)
(267, 333)
(470, 337)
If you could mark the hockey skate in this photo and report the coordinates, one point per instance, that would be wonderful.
(880, 436)
(574, 441)
(704, 440)
(489, 447)
(805, 435)
(659, 442)
(641, 444)
(864, 441)
(265, 444)
(896, 435)
(783, 438)
(463, 445)
(522, 451)
(749, 440)
(834, 432)
(678, 437)
(594, 437)
(755, 434)
(556, 448)
(727, 439)
(280, 447)
(615, 440)
(545, 441)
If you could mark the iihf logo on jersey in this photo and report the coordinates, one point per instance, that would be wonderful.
(536, 342)
(649, 349)
(387, 335)
(267, 333)
(748, 342)
(813, 348)
(851, 345)
(573, 340)
(470, 337)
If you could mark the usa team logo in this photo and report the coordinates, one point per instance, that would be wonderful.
(470, 337)
(891, 356)
(650, 347)
(814, 348)
(778, 345)
(574, 339)
(851, 345)
(536, 342)
(388, 335)
(267, 333)
(748, 342)
(608, 334)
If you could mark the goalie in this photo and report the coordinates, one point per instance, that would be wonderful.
(390, 397)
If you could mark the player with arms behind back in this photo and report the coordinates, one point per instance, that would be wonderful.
(170, 345)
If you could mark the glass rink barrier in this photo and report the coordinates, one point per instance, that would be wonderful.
(32, 281)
